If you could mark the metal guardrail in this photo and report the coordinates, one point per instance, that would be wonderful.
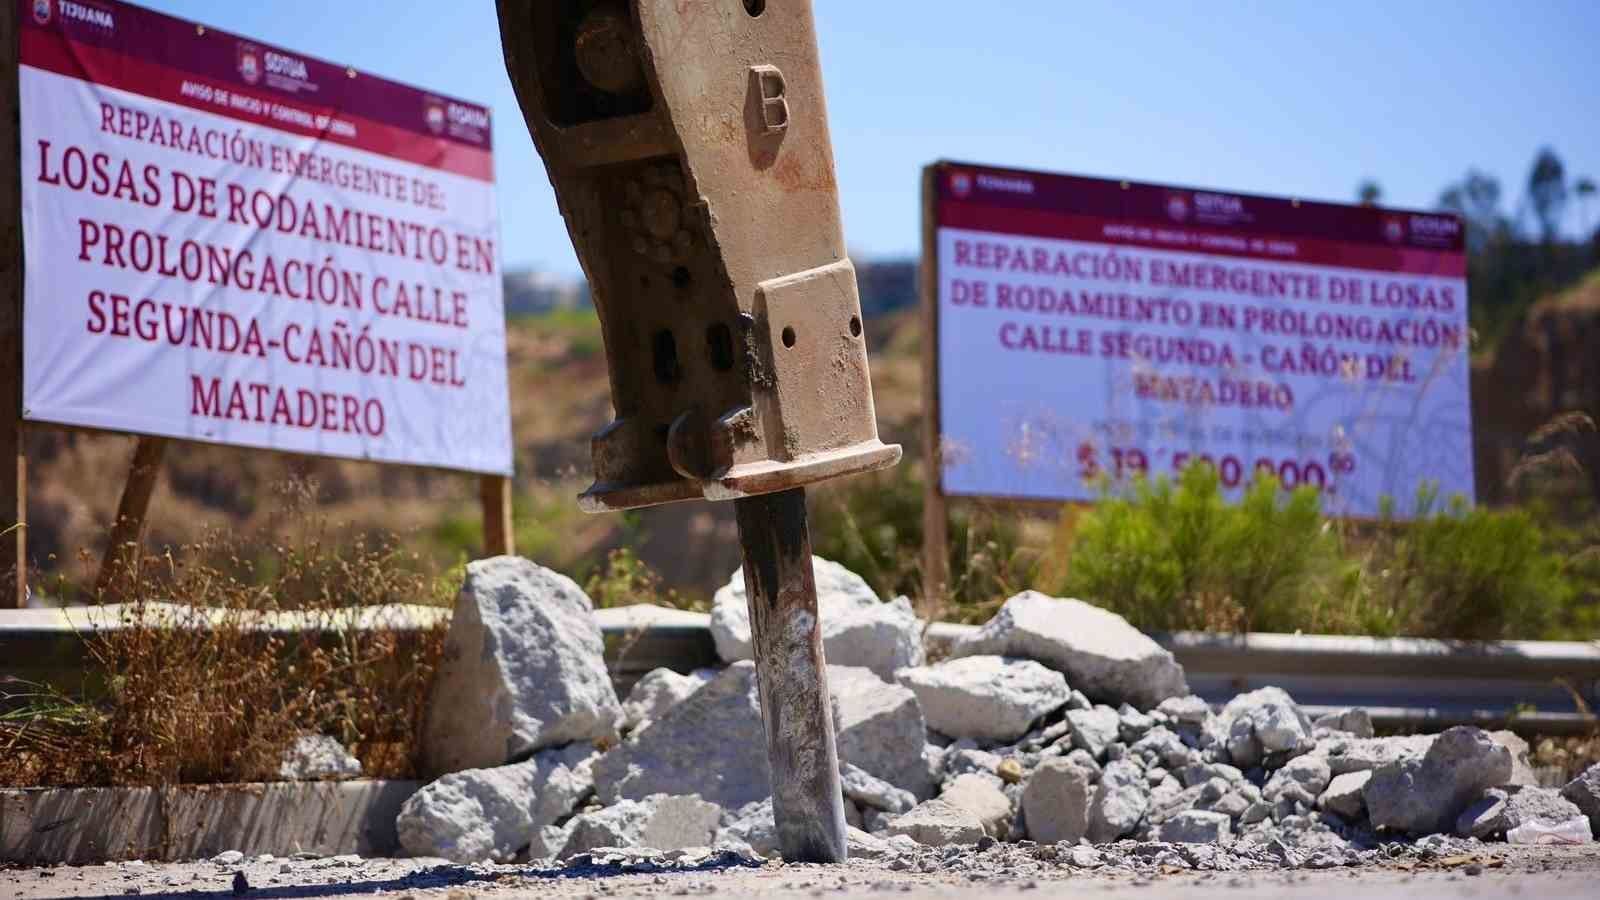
(1546, 687)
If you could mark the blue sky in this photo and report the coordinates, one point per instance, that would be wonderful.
(1300, 99)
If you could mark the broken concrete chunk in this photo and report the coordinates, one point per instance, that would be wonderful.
(881, 728)
(1309, 773)
(1350, 720)
(1189, 709)
(1120, 801)
(491, 813)
(658, 691)
(1521, 763)
(990, 698)
(984, 797)
(524, 668)
(1262, 722)
(870, 791)
(712, 745)
(857, 628)
(1363, 754)
(1162, 747)
(1055, 802)
(1093, 730)
(751, 825)
(862, 845)
(1584, 793)
(1425, 796)
(1501, 809)
(658, 822)
(1197, 826)
(1099, 652)
(962, 757)
(545, 844)
(1343, 795)
(937, 823)
(1132, 724)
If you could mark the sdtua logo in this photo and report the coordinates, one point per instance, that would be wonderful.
(279, 64)
(1217, 204)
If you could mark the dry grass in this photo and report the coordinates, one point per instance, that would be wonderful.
(190, 688)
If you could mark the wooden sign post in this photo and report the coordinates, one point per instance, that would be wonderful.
(13, 464)
(935, 518)
(494, 493)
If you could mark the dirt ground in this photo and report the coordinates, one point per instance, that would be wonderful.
(1498, 871)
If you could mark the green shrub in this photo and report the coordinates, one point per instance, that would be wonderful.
(1177, 554)
(625, 579)
(1463, 572)
(1174, 555)
(872, 525)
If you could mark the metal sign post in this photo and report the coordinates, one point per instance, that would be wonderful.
(688, 147)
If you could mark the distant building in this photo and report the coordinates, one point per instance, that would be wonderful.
(530, 292)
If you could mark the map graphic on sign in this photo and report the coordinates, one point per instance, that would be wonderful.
(233, 242)
(1092, 329)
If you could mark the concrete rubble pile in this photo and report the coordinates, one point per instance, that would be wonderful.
(1056, 726)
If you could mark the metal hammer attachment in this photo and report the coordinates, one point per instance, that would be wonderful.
(688, 146)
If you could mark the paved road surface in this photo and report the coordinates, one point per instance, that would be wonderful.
(1498, 871)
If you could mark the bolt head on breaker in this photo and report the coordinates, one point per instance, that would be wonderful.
(688, 147)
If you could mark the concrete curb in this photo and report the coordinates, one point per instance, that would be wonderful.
(78, 826)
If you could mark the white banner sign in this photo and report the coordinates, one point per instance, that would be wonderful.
(1094, 329)
(229, 242)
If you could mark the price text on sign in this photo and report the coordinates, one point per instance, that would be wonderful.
(228, 241)
(1092, 329)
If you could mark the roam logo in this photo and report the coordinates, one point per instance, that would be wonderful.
(470, 116)
(960, 184)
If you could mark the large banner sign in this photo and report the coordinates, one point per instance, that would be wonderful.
(229, 241)
(1091, 329)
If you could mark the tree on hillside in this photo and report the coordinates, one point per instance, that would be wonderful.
(1476, 198)
(1585, 189)
(1509, 264)
(1547, 191)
